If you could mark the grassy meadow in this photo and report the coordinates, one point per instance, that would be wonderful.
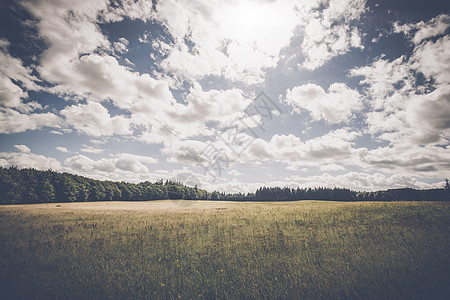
(225, 250)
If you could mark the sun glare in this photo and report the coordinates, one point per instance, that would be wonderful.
(260, 25)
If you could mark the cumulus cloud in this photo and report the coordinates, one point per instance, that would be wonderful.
(234, 173)
(423, 30)
(384, 80)
(359, 181)
(10, 93)
(212, 105)
(25, 159)
(119, 167)
(22, 148)
(94, 119)
(428, 161)
(61, 149)
(329, 29)
(85, 164)
(131, 165)
(428, 116)
(139, 158)
(336, 106)
(70, 30)
(201, 113)
(186, 151)
(12, 121)
(90, 149)
(121, 45)
(431, 58)
(12, 69)
(331, 168)
(101, 77)
(333, 147)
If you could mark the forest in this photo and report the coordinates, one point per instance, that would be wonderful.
(20, 186)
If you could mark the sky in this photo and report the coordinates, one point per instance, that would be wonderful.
(230, 95)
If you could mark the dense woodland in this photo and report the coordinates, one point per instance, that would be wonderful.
(33, 186)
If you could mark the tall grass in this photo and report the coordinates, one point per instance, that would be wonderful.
(289, 250)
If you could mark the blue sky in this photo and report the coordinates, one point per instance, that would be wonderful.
(229, 95)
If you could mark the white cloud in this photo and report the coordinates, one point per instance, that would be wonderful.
(212, 105)
(329, 29)
(385, 80)
(89, 149)
(434, 27)
(69, 28)
(12, 121)
(198, 116)
(427, 161)
(234, 173)
(131, 165)
(336, 106)
(100, 77)
(4, 44)
(139, 158)
(428, 116)
(11, 68)
(431, 58)
(333, 147)
(22, 148)
(10, 94)
(93, 119)
(331, 168)
(123, 166)
(359, 181)
(26, 159)
(186, 151)
(85, 164)
(424, 30)
(121, 46)
(137, 9)
(61, 149)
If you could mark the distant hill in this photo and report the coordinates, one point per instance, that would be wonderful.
(34, 186)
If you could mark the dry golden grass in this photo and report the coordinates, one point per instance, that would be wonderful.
(228, 250)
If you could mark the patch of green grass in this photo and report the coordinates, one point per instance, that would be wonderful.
(297, 250)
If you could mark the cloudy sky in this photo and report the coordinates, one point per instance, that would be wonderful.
(230, 95)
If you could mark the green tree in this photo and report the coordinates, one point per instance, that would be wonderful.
(215, 196)
(65, 189)
(46, 192)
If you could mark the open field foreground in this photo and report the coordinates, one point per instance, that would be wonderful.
(160, 250)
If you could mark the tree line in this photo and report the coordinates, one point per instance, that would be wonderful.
(342, 194)
(34, 186)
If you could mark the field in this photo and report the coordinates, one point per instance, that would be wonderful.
(211, 250)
